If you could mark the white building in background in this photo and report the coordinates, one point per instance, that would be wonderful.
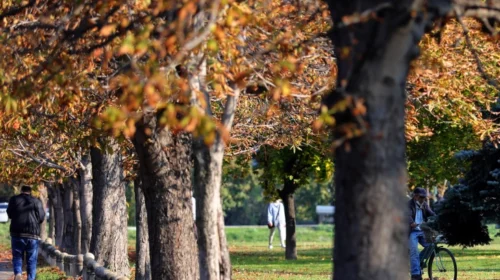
(325, 214)
(3, 212)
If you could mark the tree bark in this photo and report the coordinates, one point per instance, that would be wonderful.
(58, 215)
(165, 172)
(287, 195)
(44, 199)
(68, 244)
(225, 261)
(77, 218)
(85, 174)
(142, 262)
(212, 245)
(207, 181)
(109, 209)
(52, 226)
(370, 171)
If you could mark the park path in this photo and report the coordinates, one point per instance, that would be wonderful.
(5, 265)
(5, 271)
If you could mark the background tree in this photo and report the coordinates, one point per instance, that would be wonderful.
(286, 170)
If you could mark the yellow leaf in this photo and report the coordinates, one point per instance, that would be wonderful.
(107, 30)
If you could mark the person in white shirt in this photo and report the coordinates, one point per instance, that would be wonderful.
(276, 219)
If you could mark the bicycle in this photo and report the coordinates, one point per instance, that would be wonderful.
(440, 261)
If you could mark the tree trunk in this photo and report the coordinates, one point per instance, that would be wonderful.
(207, 182)
(58, 215)
(52, 226)
(77, 218)
(68, 244)
(212, 245)
(142, 260)
(225, 261)
(109, 209)
(86, 202)
(289, 202)
(370, 171)
(165, 172)
(44, 199)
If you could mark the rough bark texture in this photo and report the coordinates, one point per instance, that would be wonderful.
(68, 244)
(85, 174)
(225, 261)
(58, 215)
(77, 223)
(370, 172)
(289, 203)
(51, 223)
(142, 261)
(109, 209)
(207, 182)
(212, 245)
(165, 171)
(44, 199)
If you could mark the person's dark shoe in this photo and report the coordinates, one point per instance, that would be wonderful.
(416, 277)
(18, 277)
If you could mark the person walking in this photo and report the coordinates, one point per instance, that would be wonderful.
(276, 219)
(26, 213)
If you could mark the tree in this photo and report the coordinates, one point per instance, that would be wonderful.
(474, 200)
(109, 211)
(375, 41)
(431, 160)
(241, 193)
(290, 168)
(165, 174)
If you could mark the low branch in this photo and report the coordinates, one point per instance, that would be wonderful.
(40, 161)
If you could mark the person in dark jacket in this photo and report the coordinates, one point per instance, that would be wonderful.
(26, 213)
(419, 212)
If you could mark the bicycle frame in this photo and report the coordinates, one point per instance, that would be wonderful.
(426, 254)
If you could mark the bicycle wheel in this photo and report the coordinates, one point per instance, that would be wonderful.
(442, 265)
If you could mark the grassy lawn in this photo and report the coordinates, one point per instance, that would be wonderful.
(251, 259)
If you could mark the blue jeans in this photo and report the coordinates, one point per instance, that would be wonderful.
(415, 238)
(20, 246)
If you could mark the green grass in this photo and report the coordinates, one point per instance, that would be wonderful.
(251, 259)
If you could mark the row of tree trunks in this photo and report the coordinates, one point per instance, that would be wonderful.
(96, 197)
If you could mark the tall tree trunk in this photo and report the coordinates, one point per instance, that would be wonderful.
(165, 171)
(225, 261)
(142, 260)
(109, 209)
(86, 202)
(52, 226)
(286, 195)
(44, 199)
(58, 215)
(370, 171)
(77, 228)
(207, 182)
(212, 245)
(69, 234)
